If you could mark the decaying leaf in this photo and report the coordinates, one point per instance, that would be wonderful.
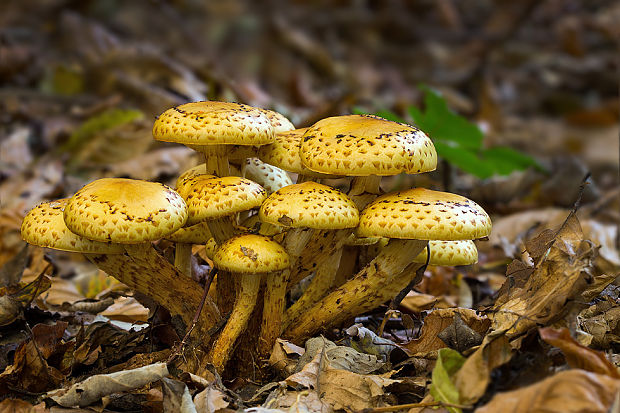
(577, 355)
(210, 400)
(438, 320)
(565, 392)
(366, 341)
(341, 389)
(339, 357)
(93, 388)
(176, 397)
(561, 274)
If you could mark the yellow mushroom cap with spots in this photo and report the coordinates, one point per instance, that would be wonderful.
(194, 234)
(125, 211)
(251, 254)
(213, 198)
(420, 213)
(278, 121)
(362, 145)
(186, 181)
(462, 252)
(214, 123)
(268, 176)
(45, 226)
(283, 152)
(309, 205)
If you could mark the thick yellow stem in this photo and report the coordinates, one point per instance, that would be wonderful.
(244, 305)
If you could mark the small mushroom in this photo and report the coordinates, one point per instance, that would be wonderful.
(246, 257)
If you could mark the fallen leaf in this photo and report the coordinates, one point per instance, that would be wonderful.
(95, 387)
(176, 396)
(565, 392)
(210, 400)
(20, 406)
(442, 387)
(437, 321)
(341, 389)
(578, 356)
(459, 336)
(127, 309)
(339, 357)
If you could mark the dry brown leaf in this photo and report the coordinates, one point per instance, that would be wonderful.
(559, 277)
(566, 392)
(150, 165)
(603, 326)
(21, 406)
(93, 388)
(578, 356)
(210, 400)
(127, 309)
(340, 388)
(437, 321)
(474, 376)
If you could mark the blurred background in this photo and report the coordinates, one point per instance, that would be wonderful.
(82, 81)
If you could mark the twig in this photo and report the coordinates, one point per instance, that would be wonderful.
(183, 343)
(413, 405)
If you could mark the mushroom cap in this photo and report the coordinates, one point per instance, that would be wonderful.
(251, 254)
(210, 248)
(214, 123)
(195, 234)
(362, 145)
(45, 226)
(278, 121)
(420, 213)
(125, 211)
(309, 205)
(188, 178)
(268, 176)
(283, 152)
(213, 198)
(462, 252)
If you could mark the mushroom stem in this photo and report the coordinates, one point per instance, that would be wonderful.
(145, 271)
(364, 189)
(359, 294)
(318, 287)
(216, 160)
(183, 258)
(222, 230)
(244, 305)
(275, 291)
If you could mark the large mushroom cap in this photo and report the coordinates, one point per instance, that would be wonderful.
(309, 205)
(125, 211)
(250, 253)
(213, 198)
(196, 234)
(420, 213)
(462, 252)
(45, 226)
(214, 123)
(363, 145)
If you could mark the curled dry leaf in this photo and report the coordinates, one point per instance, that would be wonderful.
(94, 388)
(578, 356)
(210, 400)
(566, 392)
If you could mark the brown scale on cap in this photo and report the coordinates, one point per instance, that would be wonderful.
(420, 213)
(249, 253)
(309, 205)
(125, 211)
(214, 123)
(363, 145)
(213, 198)
(268, 176)
(450, 253)
(45, 226)
(284, 153)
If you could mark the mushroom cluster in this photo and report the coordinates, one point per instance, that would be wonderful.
(264, 233)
